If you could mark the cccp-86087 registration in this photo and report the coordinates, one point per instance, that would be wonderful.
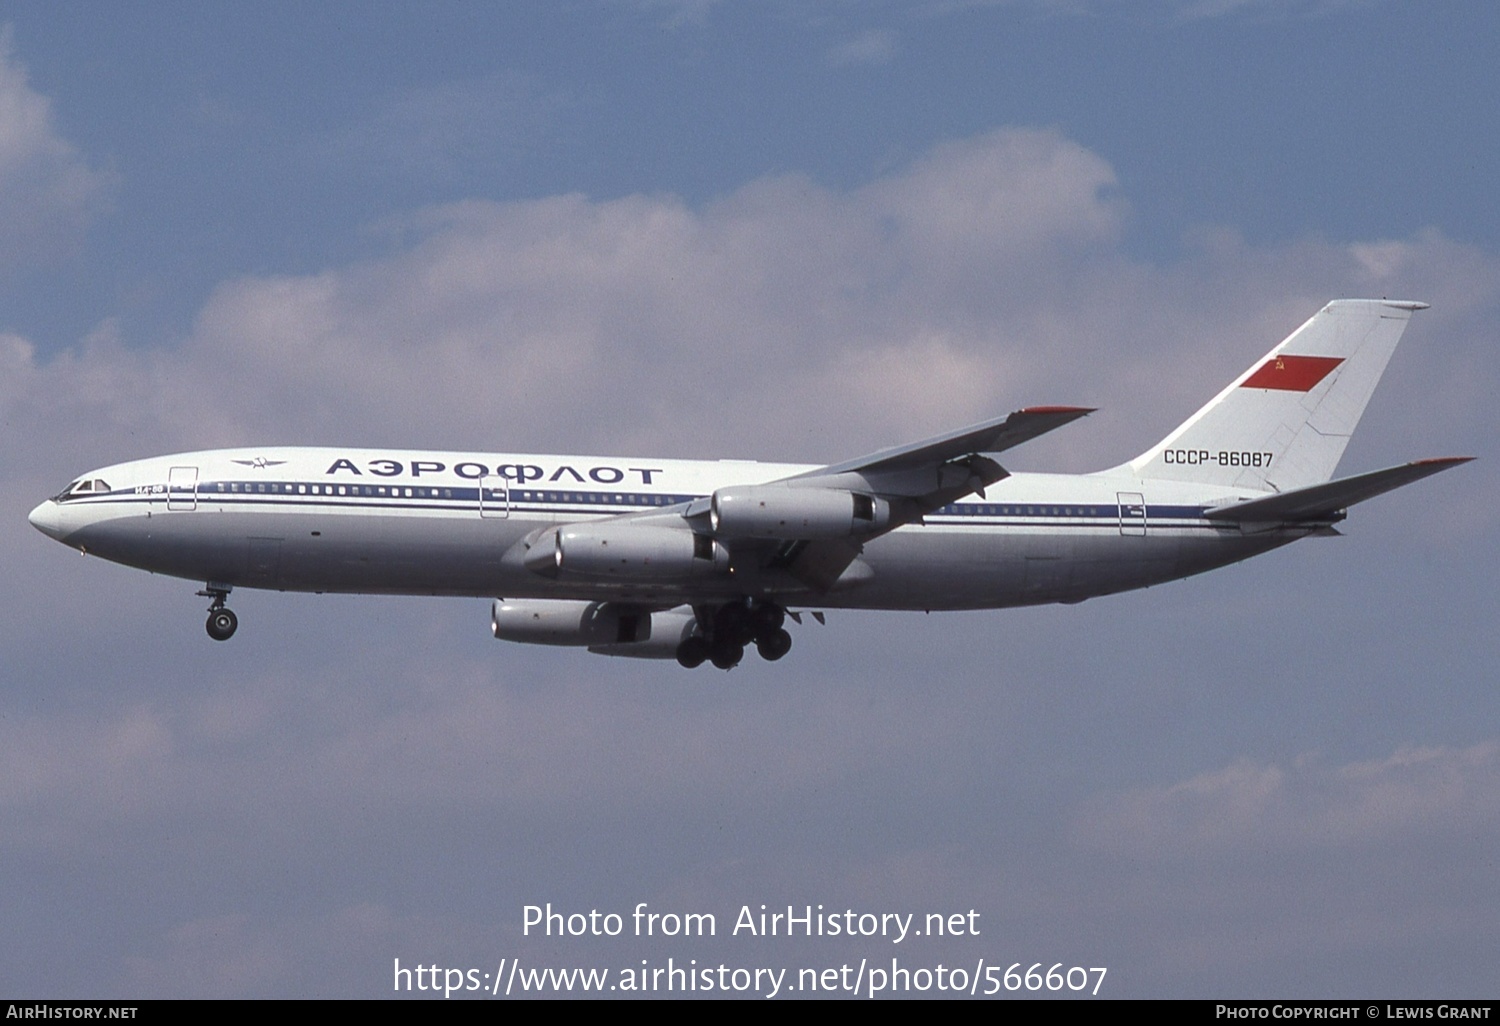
(1220, 457)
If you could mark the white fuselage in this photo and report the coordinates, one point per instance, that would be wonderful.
(449, 523)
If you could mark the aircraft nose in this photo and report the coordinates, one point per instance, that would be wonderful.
(46, 518)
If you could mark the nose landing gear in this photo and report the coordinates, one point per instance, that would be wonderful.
(222, 622)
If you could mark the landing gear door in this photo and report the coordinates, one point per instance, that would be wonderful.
(1132, 514)
(182, 488)
(494, 497)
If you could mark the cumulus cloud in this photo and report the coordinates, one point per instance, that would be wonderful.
(736, 328)
(48, 194)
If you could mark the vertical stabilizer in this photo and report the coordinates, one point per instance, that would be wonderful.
(1285, 421)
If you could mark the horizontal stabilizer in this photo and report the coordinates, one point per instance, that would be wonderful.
(990, 436)
(1322, 501)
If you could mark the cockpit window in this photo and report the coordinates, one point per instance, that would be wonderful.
(83, 486)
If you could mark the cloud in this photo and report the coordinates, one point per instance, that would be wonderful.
(1414, 794)
(627, 323)
(785, 320)
(48, 194)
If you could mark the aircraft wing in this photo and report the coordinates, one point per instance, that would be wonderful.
(995, 435)
(912, 480)
(1326, 501)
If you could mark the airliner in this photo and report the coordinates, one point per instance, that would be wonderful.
(697, 560)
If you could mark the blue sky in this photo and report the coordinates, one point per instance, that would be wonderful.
(777, 230)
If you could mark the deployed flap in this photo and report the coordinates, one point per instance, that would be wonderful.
(990, 436)
(1322, 501)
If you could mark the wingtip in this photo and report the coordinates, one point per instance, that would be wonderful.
(1081, 411)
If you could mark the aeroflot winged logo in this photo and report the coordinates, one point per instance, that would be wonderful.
(259, 463)
(1292, 373)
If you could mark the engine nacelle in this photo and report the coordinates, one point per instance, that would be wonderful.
(569, 622)
(795, 514)
(626, 552)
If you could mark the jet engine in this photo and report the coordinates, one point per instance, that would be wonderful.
(795, 514)
(625, 552)
(605, 628)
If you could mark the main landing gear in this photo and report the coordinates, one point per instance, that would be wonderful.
(722, 636)
(222, 622)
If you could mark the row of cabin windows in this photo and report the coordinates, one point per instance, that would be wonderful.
(392, 491)
(982, 510)
(276, 488)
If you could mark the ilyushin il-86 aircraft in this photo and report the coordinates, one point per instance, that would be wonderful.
(697, 560)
